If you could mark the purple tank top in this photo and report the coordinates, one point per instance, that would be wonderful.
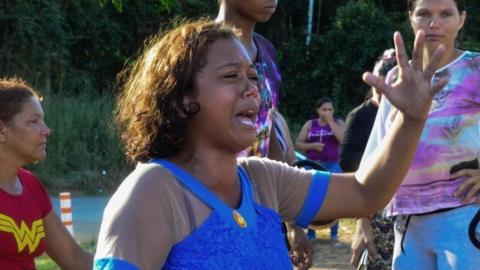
(323, 134)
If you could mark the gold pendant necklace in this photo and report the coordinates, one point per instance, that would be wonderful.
(239, 219)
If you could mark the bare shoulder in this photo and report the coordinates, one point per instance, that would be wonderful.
(308, 124)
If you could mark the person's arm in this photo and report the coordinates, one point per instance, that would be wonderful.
(290, 157)
(351, 149)
(412, 94)
(301, 142)
(362, 238)
(61, 246)
(301, 250)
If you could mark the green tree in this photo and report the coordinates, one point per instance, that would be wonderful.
(334, 63)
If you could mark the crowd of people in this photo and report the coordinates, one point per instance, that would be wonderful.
(214, 185)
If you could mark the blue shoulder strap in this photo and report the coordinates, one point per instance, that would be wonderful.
(209, 198)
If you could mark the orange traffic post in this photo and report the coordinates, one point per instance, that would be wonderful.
(66, 211)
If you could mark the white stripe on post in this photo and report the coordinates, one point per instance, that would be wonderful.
(66, 211)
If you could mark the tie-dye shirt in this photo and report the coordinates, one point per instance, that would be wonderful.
(449, 141)
(269, 85)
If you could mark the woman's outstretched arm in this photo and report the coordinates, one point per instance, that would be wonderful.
(412, 95)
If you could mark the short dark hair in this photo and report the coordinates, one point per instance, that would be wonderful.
(385, 63)
(322, 101)
(13, 93)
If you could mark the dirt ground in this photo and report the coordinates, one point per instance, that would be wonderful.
(330, 257)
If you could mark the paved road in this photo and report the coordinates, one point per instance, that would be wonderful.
(87, 215)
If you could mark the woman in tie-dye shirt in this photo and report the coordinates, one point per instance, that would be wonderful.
(437, 225)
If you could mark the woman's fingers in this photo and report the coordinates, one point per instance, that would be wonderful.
(376, 82)
(463, 172)
(470, 187)
(438, 85)
(434, 63)
(417, 54)
(308, 257)
(372, 250)
(473, 191)
(462, 189)
(356, 255)
(401, 52)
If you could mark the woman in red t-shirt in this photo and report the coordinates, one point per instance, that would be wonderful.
(28, 225)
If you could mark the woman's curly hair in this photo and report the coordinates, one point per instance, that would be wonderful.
(150, 110)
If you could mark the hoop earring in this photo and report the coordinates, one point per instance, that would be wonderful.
(191, 108)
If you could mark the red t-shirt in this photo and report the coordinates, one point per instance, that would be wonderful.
(22, 232)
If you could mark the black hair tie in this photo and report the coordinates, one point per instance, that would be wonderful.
(471, 230)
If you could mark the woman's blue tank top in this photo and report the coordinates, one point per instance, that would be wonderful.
(249, 237)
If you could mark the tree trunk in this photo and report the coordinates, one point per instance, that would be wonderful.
(319, 15)
(48, 79)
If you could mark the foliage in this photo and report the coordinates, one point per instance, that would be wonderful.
(83, 150)
(72, 51)
(45, 263)
(333, 64)
(71, 47)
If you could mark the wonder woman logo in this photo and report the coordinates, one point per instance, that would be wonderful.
(23, 235)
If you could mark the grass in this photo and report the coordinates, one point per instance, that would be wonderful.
(345, 231)
(84, 151)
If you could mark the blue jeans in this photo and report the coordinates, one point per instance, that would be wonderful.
(311, 234)
(437, 241)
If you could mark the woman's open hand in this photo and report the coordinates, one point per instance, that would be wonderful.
(412, 92)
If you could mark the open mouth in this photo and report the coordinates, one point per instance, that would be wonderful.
(248, 117)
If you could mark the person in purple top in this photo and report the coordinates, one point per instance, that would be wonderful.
(273, 137)
(319, 139)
